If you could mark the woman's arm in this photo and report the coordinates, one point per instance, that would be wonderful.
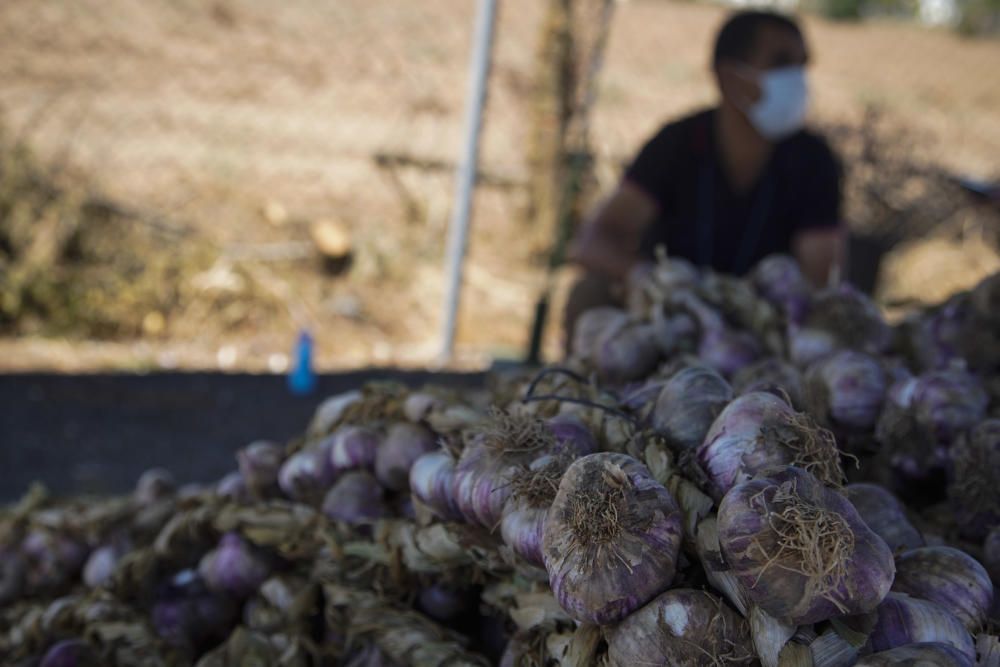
(608, 240)
(821, 253)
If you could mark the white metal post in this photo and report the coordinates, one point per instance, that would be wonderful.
(465, 178)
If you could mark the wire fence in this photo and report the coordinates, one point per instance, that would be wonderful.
(247, 124)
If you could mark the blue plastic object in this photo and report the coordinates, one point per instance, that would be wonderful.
(302, 378)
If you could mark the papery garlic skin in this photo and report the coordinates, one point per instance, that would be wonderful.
(601, 570)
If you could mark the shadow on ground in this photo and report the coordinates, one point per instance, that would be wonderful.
(97, 433)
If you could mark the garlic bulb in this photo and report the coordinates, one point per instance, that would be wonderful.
(502, 447)
(757, 431)
(801, 550)
(991, 554)
(591, 325)
(923, 416)
(154, 484)
(728, 351)
(846, 390)
(771, 374)
(626, 351)
(524, 515)
(779, 279)
(885, 515)
(611, 539)
(306, 475)
(902, 620)
(234, 567)
(70, 653)
(403, 444)
(688, 404)
(534, 487)
(259, 463)
(851, 317)
(353, 447)
(431, 480)
(948, 402)
(681, 627)
(974, 489)
(809, 346)
(949, 577)
(720, 347)
(932, 654)
(620, 347)
(356, 499)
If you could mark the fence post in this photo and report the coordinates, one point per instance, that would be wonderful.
(465, 178)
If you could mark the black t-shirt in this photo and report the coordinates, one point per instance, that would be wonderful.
(701, 219)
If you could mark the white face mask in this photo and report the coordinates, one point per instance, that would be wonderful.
(781, 109)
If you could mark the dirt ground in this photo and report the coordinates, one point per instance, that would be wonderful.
(245, 121)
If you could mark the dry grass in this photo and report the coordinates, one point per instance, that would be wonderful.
(208, 112)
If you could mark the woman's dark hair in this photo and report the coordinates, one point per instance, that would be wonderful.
(736, 37)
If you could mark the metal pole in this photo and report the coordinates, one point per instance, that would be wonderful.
(465, 178)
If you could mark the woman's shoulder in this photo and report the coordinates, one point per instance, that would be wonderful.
(684, 132)
(813, 144)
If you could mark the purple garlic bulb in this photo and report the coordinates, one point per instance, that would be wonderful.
(232, 487)
(307, 475)
(259, 463)
(354, 447)
(356, 499)
(70, 653)
(403, 444)
(187, 615)
(155, 484)
(611, 538)
(233, 567)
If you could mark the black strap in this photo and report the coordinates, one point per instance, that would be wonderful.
(759, 212)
